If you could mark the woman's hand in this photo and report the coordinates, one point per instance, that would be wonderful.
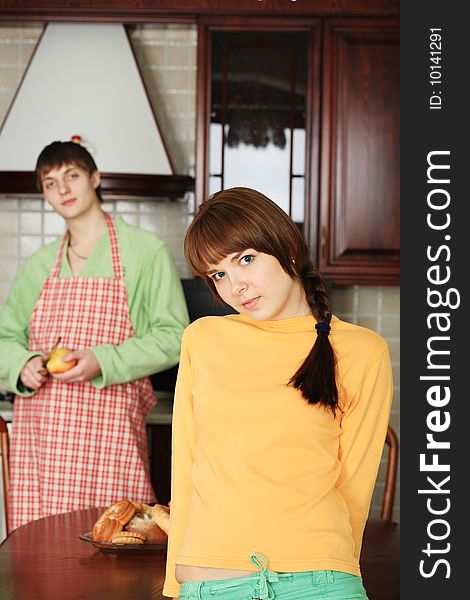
(86, 369)
(34, 374)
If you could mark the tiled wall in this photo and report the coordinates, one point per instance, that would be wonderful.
(167, 58)
(17, 43)
(167, 55)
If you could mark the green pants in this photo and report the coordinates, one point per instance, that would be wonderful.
(269, 585)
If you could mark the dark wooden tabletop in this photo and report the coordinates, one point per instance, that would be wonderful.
(46, 560)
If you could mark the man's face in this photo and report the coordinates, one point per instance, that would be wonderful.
(70, 190)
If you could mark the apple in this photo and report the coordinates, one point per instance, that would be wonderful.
(55, 364)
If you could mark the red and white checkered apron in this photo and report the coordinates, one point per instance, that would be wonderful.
(74, 446)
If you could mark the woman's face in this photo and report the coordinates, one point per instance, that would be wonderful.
(255, 284)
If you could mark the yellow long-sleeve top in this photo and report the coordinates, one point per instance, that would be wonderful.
(255, 467)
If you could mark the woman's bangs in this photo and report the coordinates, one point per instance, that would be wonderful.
(208, 243)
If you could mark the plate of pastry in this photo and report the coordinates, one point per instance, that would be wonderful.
(124, 547)
(128, 527)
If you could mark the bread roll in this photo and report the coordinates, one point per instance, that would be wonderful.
(161, 514)
(113, 520)
(151, 522)
(145, 525)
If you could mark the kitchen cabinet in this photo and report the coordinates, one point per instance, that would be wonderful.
(341, 99)
(359, 236)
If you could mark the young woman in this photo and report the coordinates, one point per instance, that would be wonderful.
(113, 296)
(280, 418)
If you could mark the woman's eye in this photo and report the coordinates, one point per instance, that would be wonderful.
(247, 259)
(218, 276)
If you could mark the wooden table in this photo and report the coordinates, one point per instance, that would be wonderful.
(46, 560)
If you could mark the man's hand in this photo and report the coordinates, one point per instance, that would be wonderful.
(34, 374)
(86, 369)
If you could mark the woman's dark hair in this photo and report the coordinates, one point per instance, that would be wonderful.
(239, 218)
(57, 154)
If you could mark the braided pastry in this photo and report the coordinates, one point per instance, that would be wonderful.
(149, 522)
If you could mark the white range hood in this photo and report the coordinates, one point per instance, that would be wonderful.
(83, 80)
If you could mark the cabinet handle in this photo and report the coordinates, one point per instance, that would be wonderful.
(323, 242)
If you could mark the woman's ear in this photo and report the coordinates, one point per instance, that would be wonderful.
(96, 179)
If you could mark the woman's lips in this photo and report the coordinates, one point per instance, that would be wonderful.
(251, 304)
(68, 202)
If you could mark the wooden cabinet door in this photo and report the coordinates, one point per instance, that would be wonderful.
(358, 233)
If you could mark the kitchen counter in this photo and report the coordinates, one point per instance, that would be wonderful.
(160, 414)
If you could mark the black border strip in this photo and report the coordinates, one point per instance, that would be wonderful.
(434, 282)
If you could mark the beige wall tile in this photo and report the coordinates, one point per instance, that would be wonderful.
(7, 203)
(18, 31)
(5, 287)
(371, 322)
(390, 325)
(153, 55)
(8, 246)
(48, 239)
(31, 32)
(368, 299)
(31, 222)
(395, 421)
(131, 219)
(8, 222)
(32, 205)
(15, 53)
(178, 105)
(153, 222)
(151, 207)
(177, 33)
(8, 269)
(149, 32)
(391, 300)
(177, 55)
(344, 300)
(177, 80)
(126, 207)
(53, 224)
(10, 78)
(4, 101)
(29, 244)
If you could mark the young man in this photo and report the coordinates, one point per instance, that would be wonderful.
(112, 295)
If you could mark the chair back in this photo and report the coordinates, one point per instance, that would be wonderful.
(390, 476)
(5, 450)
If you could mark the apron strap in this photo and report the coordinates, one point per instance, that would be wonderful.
(115, 253)
(58, 261)
(114, 243)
